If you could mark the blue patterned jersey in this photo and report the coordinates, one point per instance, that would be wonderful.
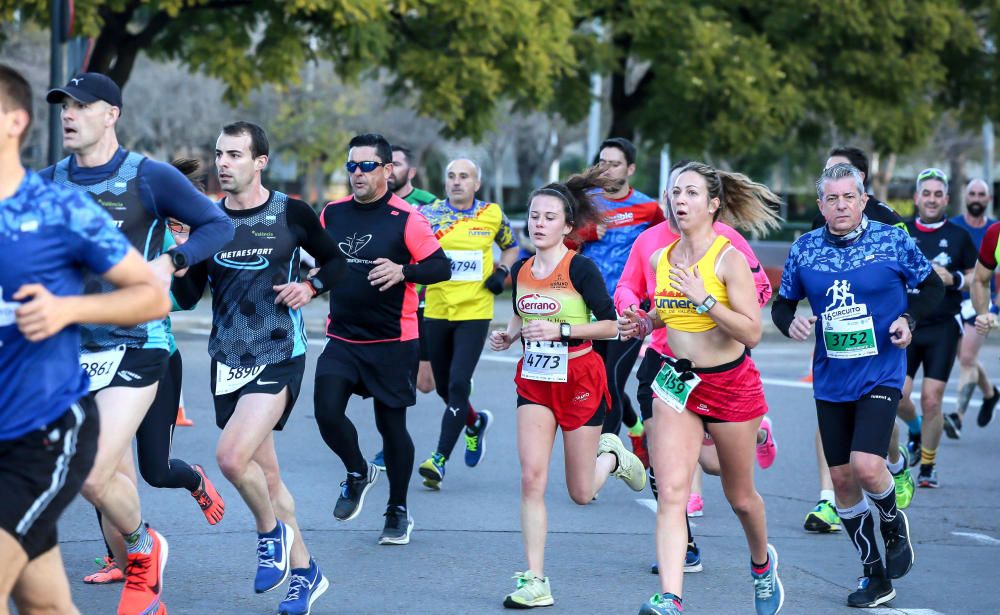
(49, 235)
(856, 292)
(625, 219)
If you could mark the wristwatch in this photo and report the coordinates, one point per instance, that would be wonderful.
(316, 284)
(706, 305)
(178, 260)
(910, 320)
(564, 332)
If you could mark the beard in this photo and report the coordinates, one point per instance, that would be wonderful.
(975, 209)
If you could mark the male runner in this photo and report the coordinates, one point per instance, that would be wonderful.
(971, 371)
(982, 299)
(127, 362)
(458, 313)
(49, 236)
(372, 328)
(258, 347)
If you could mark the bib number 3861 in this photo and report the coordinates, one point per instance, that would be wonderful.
(229, 379)
(102, 366)
(671, 390)
(545, 361)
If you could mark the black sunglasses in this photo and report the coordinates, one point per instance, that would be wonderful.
(366, 167)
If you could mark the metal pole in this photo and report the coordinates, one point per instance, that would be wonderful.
(988, 162)
(594, 122)
(664, 168)
(55, 80)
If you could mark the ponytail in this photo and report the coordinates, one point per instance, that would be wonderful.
(744, 203)
(576, 193)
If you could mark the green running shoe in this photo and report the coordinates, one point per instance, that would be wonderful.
(531, 592)
(433, 471)
(823, 518)
(904, 483)
(629, 467)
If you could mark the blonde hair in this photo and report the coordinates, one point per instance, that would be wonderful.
(743, 203)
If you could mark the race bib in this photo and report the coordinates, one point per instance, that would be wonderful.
(102, 366)
(967, 310)
(545, 361)
(673, 391)
(850, 339)
(7, 309)
(466, 265)
(229, 379)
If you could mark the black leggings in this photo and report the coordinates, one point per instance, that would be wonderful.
(619, 359)
(330, 397)
(156, 432)
(454, 348)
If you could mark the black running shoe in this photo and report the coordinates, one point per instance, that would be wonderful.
(352, 494)
(872, 591)
(953, 425)
(986, 410)
(898, 550)
(398, 526)
(913, 448)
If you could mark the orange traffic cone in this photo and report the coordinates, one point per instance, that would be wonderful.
(182, 419)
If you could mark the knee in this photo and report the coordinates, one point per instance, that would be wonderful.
(154, 477)
(533, 483)
(231, 464)
(842, 478)
(672, 493)
(581, 494)
(95, 486)
(869, 473)
(743, 503)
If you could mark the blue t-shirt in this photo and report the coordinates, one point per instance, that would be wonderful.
(977, 235)
(625, 219)
(48, 235)
(856, 292)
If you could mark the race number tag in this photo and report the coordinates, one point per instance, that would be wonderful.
(102, 366)
(7, 311)
(545, 361)
(466, 265)
(850, 339)
(671, 390)
(967, 310)
(229, 379)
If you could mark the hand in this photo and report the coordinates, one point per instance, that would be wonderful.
(602, 230)
(946, 277)
(294, 294)
(634, 323)
(385, 274)
(688, 282)
(899, 333)
(801, 328)
(500, 340)
(42, 314)
(163, 267)
(986, 323)
(541, 331)
(495, 282)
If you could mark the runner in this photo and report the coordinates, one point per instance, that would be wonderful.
(935, 340)
(855, 273)
(128, 362)
(706, 296)
(971, 371)
(48, 424)
(626, 213)
(459, 311)
(372, 329)
(982, 300)
(258, 347)
(560, 382)
(637, 286)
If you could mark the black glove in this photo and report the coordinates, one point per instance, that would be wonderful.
(494, 283)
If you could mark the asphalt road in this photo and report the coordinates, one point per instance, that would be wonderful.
(466, 543)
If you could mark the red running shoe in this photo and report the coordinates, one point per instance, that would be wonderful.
(208, 498)
(109, 573)
(639, 448)
(144, 580)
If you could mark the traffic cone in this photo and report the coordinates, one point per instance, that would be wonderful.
(182, 419)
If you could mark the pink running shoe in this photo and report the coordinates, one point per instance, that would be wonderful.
(768, 449)
(696, 506)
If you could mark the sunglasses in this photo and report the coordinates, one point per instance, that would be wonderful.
(177, 227)
(366, 166)
(932, 173)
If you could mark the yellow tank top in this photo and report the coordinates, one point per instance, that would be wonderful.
(675, 310)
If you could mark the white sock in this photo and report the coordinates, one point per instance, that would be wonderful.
(827, 494)
(895, 468)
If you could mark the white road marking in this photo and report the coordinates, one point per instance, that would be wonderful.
(892, 611)
(980, 538)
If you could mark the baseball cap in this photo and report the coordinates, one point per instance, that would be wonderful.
(87, 88)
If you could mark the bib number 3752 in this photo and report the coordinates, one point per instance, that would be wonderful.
(102, 366)
(850, 339)
(545, 361)
(229, 379)
(671, 390)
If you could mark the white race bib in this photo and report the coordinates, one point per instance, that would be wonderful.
(102, 366)
(7, 315)
(229, 379)
(545, 361)
(671, 389)
(850, 339)
(466, 265)
(967, 310)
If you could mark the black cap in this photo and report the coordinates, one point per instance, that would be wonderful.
(87, 88)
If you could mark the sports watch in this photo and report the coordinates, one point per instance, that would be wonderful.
(706, 305)
(178, 260)
(564, 332)
(317, 285)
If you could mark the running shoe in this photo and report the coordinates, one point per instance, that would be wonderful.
(899, 556)
(768, 449)
(433, 471)
(904, 487)
(211, 503)
(913, 448)
(986, 410)
(352, 494)
(696, 505)
(692, 560)
(662, 604)
(769, 595)
(306, 586)
(398, 526)
(872, 591)
(953, 425)
(108, 573)
(144, 579)
(928, 477)
(379, 460)
(475, 438)
(823, 518)
(273, 552)
(629, 467)
(531, 592)
(639, 448)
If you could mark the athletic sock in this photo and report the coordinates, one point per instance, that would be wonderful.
(272, 534)
(637, 429)
(885, 503)
(928, 456)
(915, 425)
(827, 494)
(652, 486)
(860, 526)
(471, 417)
(897, 467)
(759, 569)
(139, 541)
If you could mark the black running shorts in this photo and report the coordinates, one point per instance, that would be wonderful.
(140, 367)
(42, 471)
(648, 368)
(864, 425)
(934, 347)
(386, 371)
(271, 380)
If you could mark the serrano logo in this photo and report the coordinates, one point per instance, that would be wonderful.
(538, 305)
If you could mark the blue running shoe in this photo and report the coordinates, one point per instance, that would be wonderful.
(433, 471)
(692, 560)
(272, 558)
(662, 604)
(306, 586)
(475, 439)
(769, 595)
(379, 460)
